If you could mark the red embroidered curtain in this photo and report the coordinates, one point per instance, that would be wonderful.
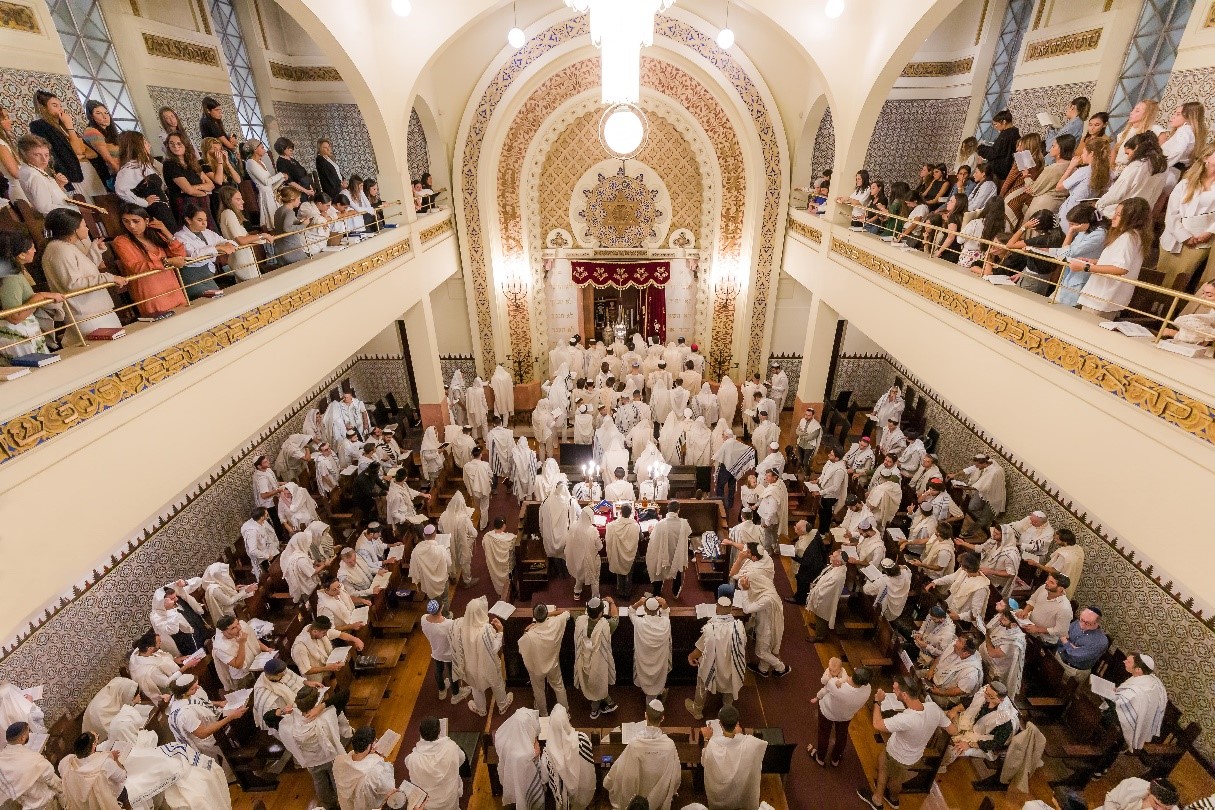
(621, 274)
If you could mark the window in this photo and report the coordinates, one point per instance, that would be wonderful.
(1003, 65)
(1149, 57)
(240, 75)
(92, 60)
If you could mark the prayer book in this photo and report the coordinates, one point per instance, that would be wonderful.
(1185, 349)
(213, 294)
(789, 477)
(706, 611)
(413, 796)
(871, 573)
(159, 316)
(381, 579)
(1034, 558)
(892, 704)
(34, 360)
(37, 741)
(442, 726)
(850, 551)
(1125, 327)
(1101, 687)
(1022, 622)
(715, 724)
(839, 534)
(351, 470)
(741, 599)
(503, 610)
(631, 731)
(396, 553)
(107, 333)
(416, 520)
(905, 659)
(237, 699)
(261, 627)
(193, 658)
(812, 487)
(387, 743)
(544, 726)
(1049, 120)
(12, 373)
(765, 806)
(896, 534)
(360, 614)
(787, 550)
(259, 663)
(960, 484)
(999, 280)
(338, 655)
(34, 693)
(1024, 160)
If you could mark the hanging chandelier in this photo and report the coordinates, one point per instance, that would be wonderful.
(620, 29)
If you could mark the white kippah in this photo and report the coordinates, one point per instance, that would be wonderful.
(865, 523)
(724, 601)
(182, 679)
(774, 446)
(1147, 659)
(1039, 514)
(651, 604)
(687, 413)
(655, 705)
(429, 530)
(594, 603)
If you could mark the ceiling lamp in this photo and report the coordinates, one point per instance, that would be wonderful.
(623, 130)
(515, 36)
(620, 29)
(402, 7)
(834, 8)
(725, 37)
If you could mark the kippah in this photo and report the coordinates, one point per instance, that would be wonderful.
(432, 607)
(274, 666)
(865, 440)
(651, 604)
(725, 601)
(926, 507)
(865, 523)
(1038, 513)
(182, 679)
(998, 688)
(374, 526)
(540, 612)
(937, 611)
(1147, 659)
(429, 530)
(1014, 604)
(726, 590)
(774, 446)
(594, 603)
(655, 705)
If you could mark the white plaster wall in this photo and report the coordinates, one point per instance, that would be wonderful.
(451, 317)
(792, 314)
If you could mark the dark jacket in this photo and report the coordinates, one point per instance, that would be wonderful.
(331, 181)
(999, 155)
(62, 155)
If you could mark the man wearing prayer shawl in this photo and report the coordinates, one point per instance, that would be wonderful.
(594, 664)
(221, 594)
(311, 734)
(568, 763)
(261, 542)
(363, 779)
(400, 498)
(892, 439)
(988, 497)
(778, 388)
(499, 547)
(1066, 559)
(183, 778)
(150, 667)
(175, 629)
(517, 742)
(670, 439)
(651, 620)
(296, 508)
(584, 425)
(455, 398)
(299, 569)
(825, 593)
(984, 726)
(733, 762)
(648, 766)
(774, 460)
(546, 424)
(667, 554)
(549, 478)
(356, 575)
(555, 522)
(774, 509)
(734, 460)
(434, 766)
(619, 490)
(26, 777)
(582, 554)
(276, 688)
(644, 466)
(194, 718)
(698, 444)
(354, 414)
(720, 656)
(292, 458)
(1134, 793)
(767, 610)
(660, 397)
(727, 400)
(233, 649)
(561, 355)
(540, 646)
(476, 646)
(889, 406)
(885, 497)
(460, 442)
(1139, 701)
(622, 538)
(504, 393)
(679, 400)
(430, 566)
(477, 408)
(523, 481)
(1004, 650)
(891, 589)
(432, 454)
(705, 404)
(456, 521)
(92, 779)
(105, 704)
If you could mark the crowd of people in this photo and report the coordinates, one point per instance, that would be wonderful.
(1067, 214)
(182, 216)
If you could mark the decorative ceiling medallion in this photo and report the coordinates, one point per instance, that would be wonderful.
(621, 212)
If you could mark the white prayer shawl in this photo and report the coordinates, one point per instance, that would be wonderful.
(363, 784)
(649, 766)
(309, 653)
(706, 404)
(314, 424)
(126, 723)
(269, 695)
(339, 609)
(199, 707)
(461, 444)
(540, 644)
(328, 471)
(523, 482)
(92, 783)
(774, 460)
(166, 622)
(698, 446)
(738, 458)
(334, 424)
(477, 407)
(888, 408)
(660, 400)
(670, 439)
(320, 540)
(555, 521)
(399, 503)
(455, 397)
(644, 466)
(768, 608)
(429, 568)
(732, 770)
(594, 665)
(825, 592)
(180, 776)
(723, 655)
(296, 508)
(475, 646)
(582, 550)
(152, 672)
(568, 763)
(952, 670)
(289, 462)
(584, 427)
(261, 542)
(504, 392)
(1068, 560)
(890, 593)
(545, 421)
(667, 554)
(456, 521)
(105, 704)
(298, 568)
(982, 728)
(884, 500)
(518, 762)
(935, 550)
(27, 778)
(779, 494)
(727, 399)
(499, 549)
(937, 637)
(432, 456)
(221, 594)
(989, 483)
(622, 538)
(1140, 702)
(651, 652)
(549, 478)
(312, 742)
(721, 434)
(923, 526)
(764, 434)
(1009, 667)
(615, 456)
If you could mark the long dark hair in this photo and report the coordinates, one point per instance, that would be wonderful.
(899, 193)
(1145, 146)
(993, 218)
(960, 203)
(864, 173)
(63, 222)
(153, 236)
(1136, 218)
(189, 158)
(110, 132)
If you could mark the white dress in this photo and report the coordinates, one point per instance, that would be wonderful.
(242, 263)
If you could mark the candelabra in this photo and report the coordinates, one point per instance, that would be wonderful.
(725, 298)
(516, 291)
(524, 365)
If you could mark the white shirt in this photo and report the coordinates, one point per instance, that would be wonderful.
(264, 481)
(1101, 291)
(43, 193)
(839, 700)
(439, 636)
(1183, 219)
(911, 731)
(1053, 614)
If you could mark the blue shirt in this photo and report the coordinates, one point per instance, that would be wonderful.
(1083, 647)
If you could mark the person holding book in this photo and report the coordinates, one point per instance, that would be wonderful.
(144, 245)
(72, 262)
(311, 733)
(363, 779)
(434, 767)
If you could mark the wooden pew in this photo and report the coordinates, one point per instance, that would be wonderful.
(1081, 740)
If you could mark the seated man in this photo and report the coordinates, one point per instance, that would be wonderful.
(985, 726)
(1049, 611)
(26, 777)
(935, 636)
(956, 675)
(1136, 794)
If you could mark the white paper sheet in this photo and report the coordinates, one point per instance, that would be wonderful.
(34, 693)
(787, 550)
(706, 611)
(812, 487)
(193, 658)
(360, 614)
(544, 727)
(236, 700)
(1101, 687)
(631, 731)
(381, 579)
(896, 534)
(259, 663)
(396, 553)
(339, 655)
(261, 627)
(892, 704)
(871, 573)
(503, 610)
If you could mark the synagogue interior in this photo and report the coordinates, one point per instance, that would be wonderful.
(633, 404)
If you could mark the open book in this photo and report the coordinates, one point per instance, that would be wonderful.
(503, 610)
(1101, 687)
(1024, 160)
(236, 700)
(896, 534)
(396, 553)
(704, 611)
(999, 280)
(381, 580)
(410, 796)
(1185, 349)
(1127, 328)
(787, 550)
(259, 663)
(387, 744)
(871, 573)
(360, 614)
(339, 655)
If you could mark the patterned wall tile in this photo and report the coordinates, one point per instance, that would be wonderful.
(417, 152)
(1140, 612)
(465, 363)
(909, 133)
(17, 96)
(1187, 85)
(1026, 104)
(76, 651)
(824, 148)
(188, 106)
(342, 123)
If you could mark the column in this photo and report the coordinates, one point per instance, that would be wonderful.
(816, 356)
(422, 353)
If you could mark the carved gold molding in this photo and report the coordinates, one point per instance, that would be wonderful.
(802, 229)
(918, 70)
(1038, 14)
(1064, 45)
(23, 433)
(435, 231)
(203, 17)
(183, 51)
(982, 20)
(1193, 416)
(304, 73)
(17, 17)
(1210, 17)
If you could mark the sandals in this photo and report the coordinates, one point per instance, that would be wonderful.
(814, 755)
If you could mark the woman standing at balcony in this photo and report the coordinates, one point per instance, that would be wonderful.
(138, 182)
(1016, 187)
(1088, 175)
(184, 177)
(1185, 243)
(289, 233)
(144, 245)
(265, 179)
(297, 176)
(101, 135)
(1130, 233)
(55, 125)
(955, 210)
(859, 200)
(204, 246)
(1085, 240)
(1189, 132)
(1142, 119)
(243, 263)
(71, 262)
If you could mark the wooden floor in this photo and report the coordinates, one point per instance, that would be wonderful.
(413, 674)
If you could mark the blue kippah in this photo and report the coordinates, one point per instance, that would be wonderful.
(726, 590)
(432, 607)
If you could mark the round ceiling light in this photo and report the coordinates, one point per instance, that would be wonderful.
(402, 7)
(725, 39)
(623, 130)
(515, 37)
(835, 8)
